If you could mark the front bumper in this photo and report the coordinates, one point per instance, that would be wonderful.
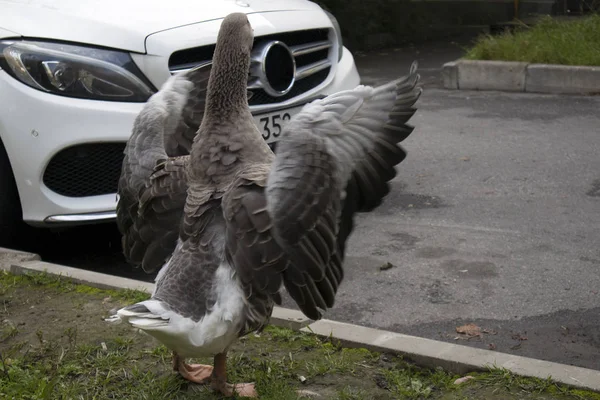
(36, 126)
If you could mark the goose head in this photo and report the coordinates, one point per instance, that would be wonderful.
(234, 44)
(236, 35)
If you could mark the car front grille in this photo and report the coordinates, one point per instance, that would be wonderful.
(89, 169)
(311, 49)
(259, 96)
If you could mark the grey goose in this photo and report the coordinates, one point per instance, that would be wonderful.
(230, 223)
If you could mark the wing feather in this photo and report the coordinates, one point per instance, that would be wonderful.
(334, 159)
(355, 134)
(153, 183)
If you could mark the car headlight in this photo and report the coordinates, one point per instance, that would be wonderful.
(338, 33)
(75, 71)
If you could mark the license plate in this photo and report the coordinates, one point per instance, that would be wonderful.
(271, 124)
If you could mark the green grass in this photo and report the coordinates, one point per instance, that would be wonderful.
(64, 285)
(51, 350)
(549, 41)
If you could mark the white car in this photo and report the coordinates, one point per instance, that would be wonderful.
(75, 73)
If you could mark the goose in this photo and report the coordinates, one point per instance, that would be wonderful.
(230, 223)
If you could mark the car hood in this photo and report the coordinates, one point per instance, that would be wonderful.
(122, 24)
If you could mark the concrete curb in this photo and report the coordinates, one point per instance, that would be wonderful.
(521, 77)
(425, 352)
(9, 256)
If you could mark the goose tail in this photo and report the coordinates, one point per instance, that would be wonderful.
(147, 314)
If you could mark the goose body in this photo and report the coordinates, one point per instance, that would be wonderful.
(230, 222)
(198, 334)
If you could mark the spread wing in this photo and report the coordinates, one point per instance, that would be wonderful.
(334, 158)
(153, 183)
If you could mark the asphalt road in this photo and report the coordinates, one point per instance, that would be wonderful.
(494, 219)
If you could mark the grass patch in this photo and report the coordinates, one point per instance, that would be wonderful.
(549, 41)
(52, 350)
(64, 285)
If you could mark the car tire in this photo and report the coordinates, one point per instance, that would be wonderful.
(11, 214)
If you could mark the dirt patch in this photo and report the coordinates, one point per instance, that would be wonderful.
(55, 344)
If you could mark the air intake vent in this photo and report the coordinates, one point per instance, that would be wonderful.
(89, 169)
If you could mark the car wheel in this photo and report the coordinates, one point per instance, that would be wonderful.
(11, 215)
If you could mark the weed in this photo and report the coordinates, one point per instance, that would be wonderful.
(349, 393)
(8, 330)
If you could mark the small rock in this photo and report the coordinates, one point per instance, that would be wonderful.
(307, 393)
(386, 266)
(463, 379)
(381, 382)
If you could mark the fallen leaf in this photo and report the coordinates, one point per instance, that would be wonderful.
(469, 330)
(518, 336)
(463, 379)
(492, 346)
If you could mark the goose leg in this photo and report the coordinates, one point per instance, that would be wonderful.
(196, 373)
(219, 380)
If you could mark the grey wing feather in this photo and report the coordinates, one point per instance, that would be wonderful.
(179, 141)
(153, 183)
(256, 256)
(335, 158)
